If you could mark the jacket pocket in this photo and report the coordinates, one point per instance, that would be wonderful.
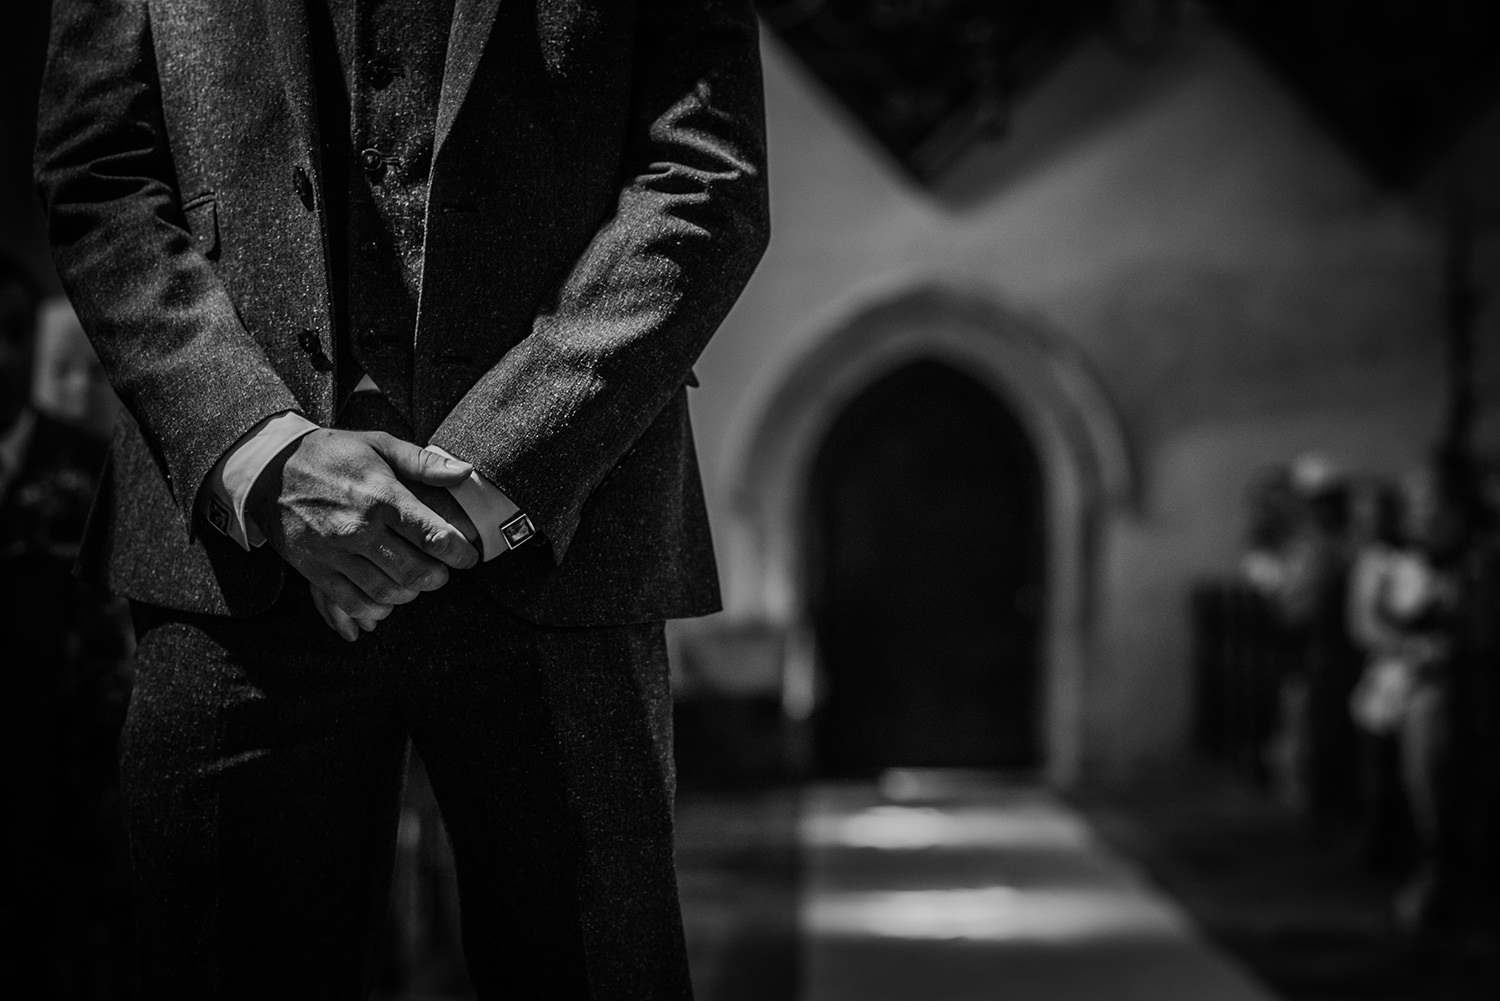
(202, 214)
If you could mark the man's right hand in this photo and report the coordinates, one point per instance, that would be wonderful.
(334, 507)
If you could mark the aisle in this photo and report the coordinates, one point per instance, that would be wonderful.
(962, 887)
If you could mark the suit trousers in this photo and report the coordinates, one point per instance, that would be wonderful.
(262, 762)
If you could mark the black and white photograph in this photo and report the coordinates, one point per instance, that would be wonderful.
(750, 500)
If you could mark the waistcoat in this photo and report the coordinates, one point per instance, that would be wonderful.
(379, 68)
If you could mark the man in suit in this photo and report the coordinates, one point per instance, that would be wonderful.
(402, 298)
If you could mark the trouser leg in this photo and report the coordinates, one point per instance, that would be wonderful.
(261, 764)
(1425, 737)
(549, 753)
(1383, 819)
(1424, 748)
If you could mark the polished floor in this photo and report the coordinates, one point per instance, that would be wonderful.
(930, 886)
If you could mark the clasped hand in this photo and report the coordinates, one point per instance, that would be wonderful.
(367, 519)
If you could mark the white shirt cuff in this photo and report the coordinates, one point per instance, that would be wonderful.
(231, 480)
(487, 507)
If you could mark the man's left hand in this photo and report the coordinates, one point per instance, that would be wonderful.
(444, 506)
(336, 618)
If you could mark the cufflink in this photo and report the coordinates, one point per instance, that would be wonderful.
(517, 531)
(218, 513)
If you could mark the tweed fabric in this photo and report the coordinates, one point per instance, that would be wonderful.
(379, 66)
(262, 761)
(595, 204)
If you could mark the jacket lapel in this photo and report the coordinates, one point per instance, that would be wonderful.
(286, 24)
(472, 21)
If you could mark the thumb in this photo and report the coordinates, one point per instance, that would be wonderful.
(409, 462)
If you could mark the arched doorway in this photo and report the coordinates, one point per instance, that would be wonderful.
(925, 577)
(1045, 382)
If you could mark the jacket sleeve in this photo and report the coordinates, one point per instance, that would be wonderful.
(550, 420)
(168, 335)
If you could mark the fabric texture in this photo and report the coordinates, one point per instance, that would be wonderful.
(596, 202)
(379, 78)
(262, 760)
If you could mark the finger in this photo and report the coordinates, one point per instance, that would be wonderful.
(335, 617)
(321, 606)
(418, 524)
(374, 582)
(407, 565)
(348, 628)
(411, 462)
(342, 592)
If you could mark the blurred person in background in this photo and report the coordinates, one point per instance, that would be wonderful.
(67, 684)
(1405, 594)
(1300, 569)
(1375, 539)
(48, 467)
(68, 382)
(1274, 512)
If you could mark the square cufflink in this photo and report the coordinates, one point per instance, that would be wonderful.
(218, 513)
(517, 531)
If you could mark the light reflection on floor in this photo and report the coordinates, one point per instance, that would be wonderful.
(942, 886)
(990, 913)
(953, 826)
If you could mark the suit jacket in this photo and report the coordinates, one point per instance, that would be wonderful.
(597, 201)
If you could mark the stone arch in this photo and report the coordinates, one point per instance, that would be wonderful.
(1087, 469)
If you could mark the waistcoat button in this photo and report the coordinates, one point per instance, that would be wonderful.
(302, 184)
(379, 72)
(372, 160)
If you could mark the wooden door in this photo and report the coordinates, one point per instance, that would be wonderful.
(926, 552)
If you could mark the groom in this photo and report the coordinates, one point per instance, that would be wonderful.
(402, 298)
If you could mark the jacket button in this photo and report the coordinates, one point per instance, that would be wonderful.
(313, 347)
(302, 184)
(372, 160)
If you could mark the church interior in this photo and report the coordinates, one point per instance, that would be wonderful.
(1097, 346)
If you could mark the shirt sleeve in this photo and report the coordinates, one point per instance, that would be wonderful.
(498, 519)
(231, 479)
